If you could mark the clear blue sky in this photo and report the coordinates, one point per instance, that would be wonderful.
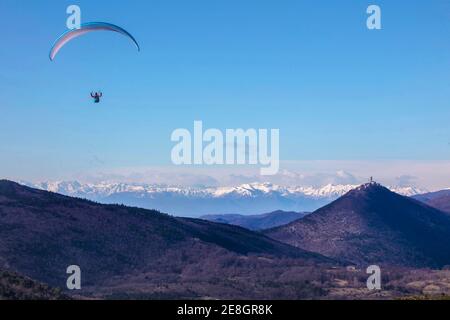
(310, 68)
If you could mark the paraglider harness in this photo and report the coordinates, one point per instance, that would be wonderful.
(96, 96)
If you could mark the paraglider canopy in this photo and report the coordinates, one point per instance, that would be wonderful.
(87, 28)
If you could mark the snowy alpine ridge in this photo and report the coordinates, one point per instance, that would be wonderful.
(254, 198)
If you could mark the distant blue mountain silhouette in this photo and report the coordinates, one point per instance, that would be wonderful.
(257, 222)
(439, 199)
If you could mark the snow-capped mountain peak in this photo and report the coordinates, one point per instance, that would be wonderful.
(250, 198)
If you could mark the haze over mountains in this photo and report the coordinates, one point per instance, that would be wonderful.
(372, 225)
(246, 199)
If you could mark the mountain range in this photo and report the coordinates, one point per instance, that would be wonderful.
(373, 225)
(42, 233)
(246, 199)
(132, 253)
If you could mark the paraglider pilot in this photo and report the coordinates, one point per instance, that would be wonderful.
(96, 96)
